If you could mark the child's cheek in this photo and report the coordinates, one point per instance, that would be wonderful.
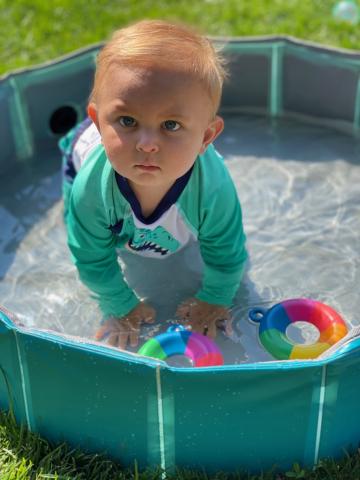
(116, 144)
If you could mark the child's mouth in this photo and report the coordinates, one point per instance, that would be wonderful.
(147, 168)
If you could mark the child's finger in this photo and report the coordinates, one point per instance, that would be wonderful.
(183, 312)
(228, 327)
(102, 332)
(122, 340)
(211, 330)
(113, 339)
(179, 310)
(198, 326)
(134, 337)
(149, 318)
(184, 308)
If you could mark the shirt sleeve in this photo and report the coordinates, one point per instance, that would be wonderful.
(222, 244)
(92, 245)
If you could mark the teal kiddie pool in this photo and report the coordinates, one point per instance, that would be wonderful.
(253, 412)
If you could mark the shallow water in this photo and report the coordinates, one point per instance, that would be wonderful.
(299, 189)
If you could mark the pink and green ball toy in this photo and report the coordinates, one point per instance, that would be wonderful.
(201, 350)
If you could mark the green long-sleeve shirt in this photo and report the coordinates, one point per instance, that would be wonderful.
(103, 215)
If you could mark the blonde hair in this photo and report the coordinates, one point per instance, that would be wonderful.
(157, 43)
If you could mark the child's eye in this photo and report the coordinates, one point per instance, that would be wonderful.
(126, 121)
(171, 125)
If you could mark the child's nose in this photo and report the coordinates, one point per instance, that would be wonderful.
(147, 142)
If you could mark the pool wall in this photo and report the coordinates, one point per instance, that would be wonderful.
(248, 416)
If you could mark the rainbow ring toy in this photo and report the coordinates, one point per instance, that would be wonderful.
(178, 341)
(274, 322)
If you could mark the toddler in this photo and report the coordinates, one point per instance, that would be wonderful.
(141, 173)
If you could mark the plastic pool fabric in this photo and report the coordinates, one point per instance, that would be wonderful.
(248, 416)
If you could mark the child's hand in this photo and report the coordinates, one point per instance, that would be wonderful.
(204, 317)
(118, 332)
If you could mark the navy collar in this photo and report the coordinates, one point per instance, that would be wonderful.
(165, 203)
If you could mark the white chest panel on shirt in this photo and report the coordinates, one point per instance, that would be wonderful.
(162, 238)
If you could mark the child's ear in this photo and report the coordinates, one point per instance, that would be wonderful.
(92, 112)
(213, 130)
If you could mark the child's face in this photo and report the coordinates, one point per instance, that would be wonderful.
(153, 123)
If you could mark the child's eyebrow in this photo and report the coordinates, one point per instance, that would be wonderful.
(122, 106)
(173, 115)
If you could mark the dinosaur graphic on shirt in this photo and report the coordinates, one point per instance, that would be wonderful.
(158, 240)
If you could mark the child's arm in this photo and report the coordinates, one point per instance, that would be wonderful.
(222, 244)
(94, 254)
(93, 245)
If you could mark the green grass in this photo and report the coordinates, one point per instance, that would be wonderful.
(26, 456)
(35, 31)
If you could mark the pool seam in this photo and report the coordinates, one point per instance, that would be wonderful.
(23, 384)
(161, 421)
(356, 121)
(320, 414)
(275, 79)
(24, 144)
